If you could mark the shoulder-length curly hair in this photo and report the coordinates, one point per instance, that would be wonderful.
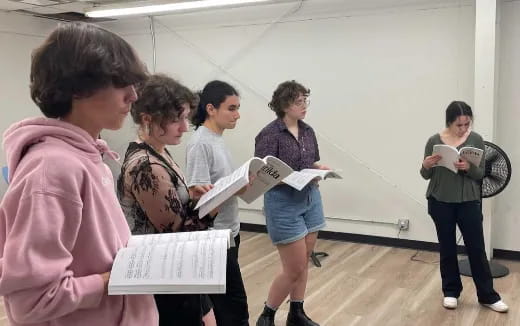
(285, 95)
(162, 98)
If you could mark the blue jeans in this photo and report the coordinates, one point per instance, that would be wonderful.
(292, 214)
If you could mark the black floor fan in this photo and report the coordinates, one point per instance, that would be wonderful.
(497, 173)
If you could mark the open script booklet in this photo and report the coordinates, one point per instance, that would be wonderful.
(178, 263)
(261, 175)
(450, 155)
(299, 179)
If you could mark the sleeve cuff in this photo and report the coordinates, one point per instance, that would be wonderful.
(91, 289)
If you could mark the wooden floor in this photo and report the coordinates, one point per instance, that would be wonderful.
(367, 285)
(360, 284)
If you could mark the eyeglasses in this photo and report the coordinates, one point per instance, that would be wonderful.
(302, 102)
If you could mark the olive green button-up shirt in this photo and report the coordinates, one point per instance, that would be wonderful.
(450, 187)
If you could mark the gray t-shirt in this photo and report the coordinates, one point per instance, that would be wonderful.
(207, 160)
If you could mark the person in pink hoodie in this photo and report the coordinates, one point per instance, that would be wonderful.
(61, 224)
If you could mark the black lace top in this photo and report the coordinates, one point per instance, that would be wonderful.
(153, 193)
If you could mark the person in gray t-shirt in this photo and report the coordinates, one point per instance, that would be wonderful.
(207, 160)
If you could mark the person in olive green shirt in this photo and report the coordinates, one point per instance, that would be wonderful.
(455, 199)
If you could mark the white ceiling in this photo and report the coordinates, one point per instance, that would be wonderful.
(46, 7)
(58, 6)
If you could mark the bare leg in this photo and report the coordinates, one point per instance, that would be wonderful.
(298, 292)
(209, 319)
(294, 264)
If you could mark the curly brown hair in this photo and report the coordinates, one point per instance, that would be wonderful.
(162, 98)
(75, 61)
(285, 95)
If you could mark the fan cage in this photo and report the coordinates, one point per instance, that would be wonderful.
(497, 171)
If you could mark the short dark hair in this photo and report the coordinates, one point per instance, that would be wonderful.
(162, 98)
(76, 60)
(456, 109)
(285, 95)
(215, 93)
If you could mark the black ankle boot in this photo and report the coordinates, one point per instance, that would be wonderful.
(266, 318)
(297, 316)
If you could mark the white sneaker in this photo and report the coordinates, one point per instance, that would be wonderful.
(498, 306)
(449, 302)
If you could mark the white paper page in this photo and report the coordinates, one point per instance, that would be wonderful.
(185, 263)
(449, 156)
(323, 173)
(165, 238)
(224, 183)
(269, 173)
(472, 154)
(221, 197)
(299, 180)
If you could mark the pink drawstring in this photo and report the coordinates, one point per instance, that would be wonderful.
(103, 148)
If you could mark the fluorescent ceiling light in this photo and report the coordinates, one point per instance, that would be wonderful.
(153, 9)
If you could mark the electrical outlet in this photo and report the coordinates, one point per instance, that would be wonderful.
(403, 224)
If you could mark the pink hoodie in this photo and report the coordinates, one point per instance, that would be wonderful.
(60, 227)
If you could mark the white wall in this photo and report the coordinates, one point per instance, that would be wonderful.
(18, 36)
(381, 76)
(507, 206)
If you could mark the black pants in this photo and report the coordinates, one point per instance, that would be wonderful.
(182, 309)
(468, 216)
(231, 308)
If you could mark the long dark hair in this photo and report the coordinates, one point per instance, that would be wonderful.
(457, 109)
(215, 93)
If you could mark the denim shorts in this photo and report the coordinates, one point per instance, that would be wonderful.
(292, 214)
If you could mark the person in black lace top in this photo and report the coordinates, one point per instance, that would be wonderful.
(152, 189)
